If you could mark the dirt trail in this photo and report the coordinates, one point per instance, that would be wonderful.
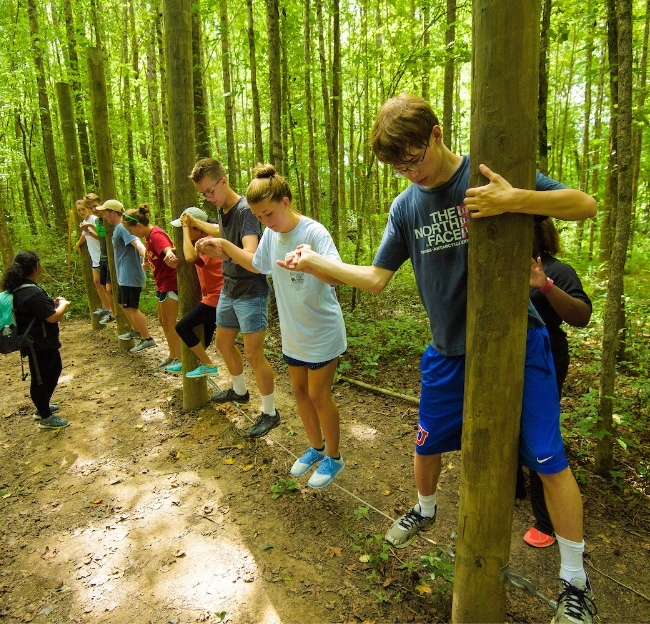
(140, 513)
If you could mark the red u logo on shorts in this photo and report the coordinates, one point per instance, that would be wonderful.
(421, 436)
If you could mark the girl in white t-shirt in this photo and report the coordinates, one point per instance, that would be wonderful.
(311, 321)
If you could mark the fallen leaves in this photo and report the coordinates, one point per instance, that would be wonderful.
(333, 551)
(49, 554)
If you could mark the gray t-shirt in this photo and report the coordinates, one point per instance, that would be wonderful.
(128, 262)
(238, 222)
(430, 227)
(311, 321)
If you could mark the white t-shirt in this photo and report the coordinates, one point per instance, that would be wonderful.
(92, 243)
(311, 321)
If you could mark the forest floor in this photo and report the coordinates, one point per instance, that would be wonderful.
(141, 513)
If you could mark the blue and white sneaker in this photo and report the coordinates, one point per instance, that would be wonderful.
(202, 371)
(328, 469)
(310, 457)
(175, 367)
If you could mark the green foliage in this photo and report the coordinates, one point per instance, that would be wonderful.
(286, 487)
(437, 570)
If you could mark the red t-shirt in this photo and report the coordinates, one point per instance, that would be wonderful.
(163, 275)
(208, 271)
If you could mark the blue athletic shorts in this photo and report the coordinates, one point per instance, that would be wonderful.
(441, 406)
(247, 315)
(310, 365)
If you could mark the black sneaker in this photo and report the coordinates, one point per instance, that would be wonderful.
(223, 396)
(264, 424)
(575, 604)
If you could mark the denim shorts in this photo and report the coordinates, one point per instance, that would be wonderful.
(441, 406)
(310, 365)
(247, 315)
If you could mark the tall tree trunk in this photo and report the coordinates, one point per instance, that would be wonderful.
(75, 82)
(24, 184)
(27, 154)
(162, 70)
(448, 97)
(314, 186)
(608, 218)
(257, 120)
(598, 131)
(284, 93)
(60, 213)
(227, 89)
(6, 246)
(154, 132)
(615, 287)
(505, 37)
(178, 38)
(76, 181)
(276, 155)
(567, 105)
(426, 55)
(105, 169)
(125, 101)
(201, 117)
(542, 100)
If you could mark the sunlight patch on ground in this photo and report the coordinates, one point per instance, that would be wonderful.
(64, 379)
(363, 433)
(153, 414)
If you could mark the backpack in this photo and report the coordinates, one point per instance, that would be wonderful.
(10, 339)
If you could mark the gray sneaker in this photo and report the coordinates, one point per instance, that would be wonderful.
(53, 422)
(264, 424)
(575, 604)
(130, 334)
(145, 343)
(404, 529)
(106, 319)
(101, 312)
(54, 407)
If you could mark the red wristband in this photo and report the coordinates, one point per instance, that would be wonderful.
(547, 286)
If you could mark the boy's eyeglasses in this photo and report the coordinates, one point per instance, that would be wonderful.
(209, 192)
(412, 167)
(130, 218)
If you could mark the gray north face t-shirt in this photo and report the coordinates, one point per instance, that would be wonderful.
(238, 222)
(430, 227)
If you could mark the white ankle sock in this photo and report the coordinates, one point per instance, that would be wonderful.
(571, 564)
(268, 404)
(238, 383)
(427, 505)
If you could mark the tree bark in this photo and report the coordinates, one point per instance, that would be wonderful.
(6, 246)
(178, 41)
(24, 184)
(448, 96)
(154, 132)
(276, 156)
(314, 190)
(201, 117)
(615, 288)
(257, 119)
(227, 88)
(60, 213)
(125, 102)
(542, 101)
(104, 153)
(505, 37)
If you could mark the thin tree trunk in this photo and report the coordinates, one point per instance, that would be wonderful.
(448, 97)
(257, 119)
(314, 187)
(426, 55)
(154, 131)
(615, 288)
(60, 213)
(542, 101)
(75, 82)
(178, 38)
(598, 130)
(567, 104)
(24, 184)
(125, 101)
(276, 155)
(227, 95)
(201, 117)
(6, 246)
(27, 154)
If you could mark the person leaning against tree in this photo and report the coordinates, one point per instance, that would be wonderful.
(407, 135)
(244, 300)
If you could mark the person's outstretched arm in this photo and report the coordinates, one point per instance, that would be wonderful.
(371, 278)
(499, 196)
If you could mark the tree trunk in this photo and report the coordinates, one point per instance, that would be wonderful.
(276, 156)
(60, 213)
(426, 54)
(75, 83)
(76, 181)
(24, 184)
(314, 186)
(227, 94)
(615, 287)
(337, 112)
(125, 102)
(608, 218)
(27, 151)
(257, 119)
(201, 117)
(104, 153)
(178, 40)
(504, 41)
(154, 132)
(6, 247)
(448, 96)
(542, 125)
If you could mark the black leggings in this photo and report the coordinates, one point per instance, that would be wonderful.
(50, 367)
(200, 314)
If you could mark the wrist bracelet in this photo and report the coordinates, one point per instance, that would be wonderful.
(547, 286)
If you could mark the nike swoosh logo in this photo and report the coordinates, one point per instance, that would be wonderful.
(541, 461)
